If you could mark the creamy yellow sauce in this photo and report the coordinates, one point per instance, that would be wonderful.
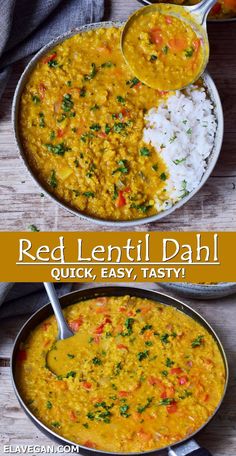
(163, 50)
(136, 376)
(81, 124)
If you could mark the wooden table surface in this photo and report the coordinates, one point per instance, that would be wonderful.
(213, 208)
(220, 435)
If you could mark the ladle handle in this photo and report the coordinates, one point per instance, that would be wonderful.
(189, 448)
(202, 9)
(63, 329)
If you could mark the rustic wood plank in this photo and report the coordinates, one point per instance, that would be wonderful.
(211, 209)
(219, 437)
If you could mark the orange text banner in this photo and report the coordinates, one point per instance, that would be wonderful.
(118, 256)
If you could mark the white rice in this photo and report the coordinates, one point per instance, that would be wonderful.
(182, 130)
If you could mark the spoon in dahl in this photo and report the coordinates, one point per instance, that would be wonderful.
(193, 16)
(64, 333)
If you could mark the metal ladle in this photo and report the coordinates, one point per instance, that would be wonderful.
(195, 16)
(64, 332)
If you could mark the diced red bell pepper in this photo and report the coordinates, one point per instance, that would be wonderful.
(183, 380)
(22, 355)
(60, 133)
(42, 90)
(121, 201)
(123, 394)
(216, 9)
(122, 347)
(176, 370)
(89, 444)
(72, 416)
(156, 36)
(50, 58)
(168, 20)
(172, 408)
(87, 385)
(75, 324)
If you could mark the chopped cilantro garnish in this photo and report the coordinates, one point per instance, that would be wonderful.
(71, 374)
(120, 99)
(178, 161)
(115, 193)
(141, 207)
(141, 409)
(184, 188)
(163, 177)
(56, 424)
(166, 401)
(53, 63)
(49, 405)
(165, 338)
(108, 65)
(133, 82)
(185, 394)
(189, 52)
(97, 361)
(67, 103)
(33, 228)
(153, 58)
(82, 92)
(119, 127)
(117, 369)
(70, 355)
(144, 151)
(155, 167)
(173, 138)
(35, 99)
(123, 168)
(145, 328)
(165, 49)
(41, 120)
(123, 410)
(95, 107)
(107, 129)
(169, 363)
(58, 149)
(95, 127)
(197, 342)
(149, 343)
(92, 74)
(165, 373)
(89, 194)
(129, 326)
(52, 135)
(53, 179)
(143, 355)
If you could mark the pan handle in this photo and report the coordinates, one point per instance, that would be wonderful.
(189, 448)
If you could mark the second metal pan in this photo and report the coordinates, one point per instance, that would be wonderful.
(186, 447)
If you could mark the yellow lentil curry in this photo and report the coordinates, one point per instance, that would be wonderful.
(163, 50)
(138, 375)
(81, 123)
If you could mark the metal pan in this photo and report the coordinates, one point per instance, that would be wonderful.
(186, 447)
(213, 93)
(230, 19)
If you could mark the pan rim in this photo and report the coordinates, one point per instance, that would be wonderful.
(121, 290)
(230, 19)
(211, 163)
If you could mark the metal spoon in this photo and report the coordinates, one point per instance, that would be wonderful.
(195, 16)
(63, 329)
(64, 332)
